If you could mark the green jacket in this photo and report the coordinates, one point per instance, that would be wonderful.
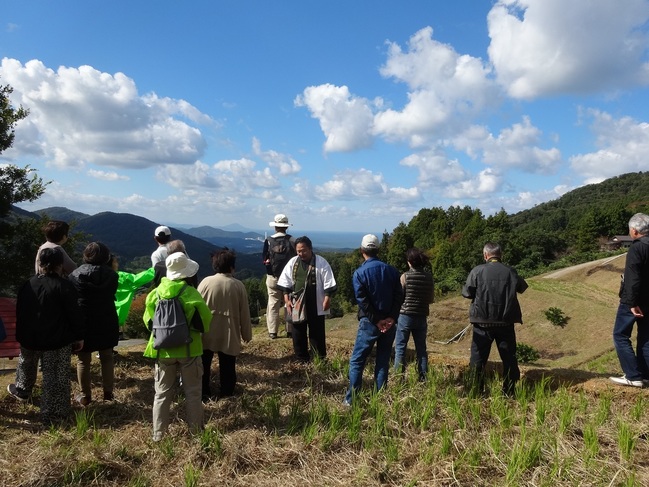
(192, 302)
(127, 284)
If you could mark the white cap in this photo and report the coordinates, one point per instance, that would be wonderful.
(162, 230)
(370, 242)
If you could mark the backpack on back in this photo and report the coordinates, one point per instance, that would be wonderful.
(170, 325)
(280, 251)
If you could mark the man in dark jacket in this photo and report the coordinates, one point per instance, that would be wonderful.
(634, 302)
(492, 288)
(379, 295)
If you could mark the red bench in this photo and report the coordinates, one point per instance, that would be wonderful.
(9, 347)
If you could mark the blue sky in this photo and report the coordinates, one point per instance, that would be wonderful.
(346, 116)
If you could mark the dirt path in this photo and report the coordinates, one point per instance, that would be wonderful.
(567, 270)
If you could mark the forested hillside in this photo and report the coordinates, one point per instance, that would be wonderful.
(565, 231)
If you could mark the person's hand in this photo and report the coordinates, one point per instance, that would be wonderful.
(326, 303)
(385, 324)
(637, 312)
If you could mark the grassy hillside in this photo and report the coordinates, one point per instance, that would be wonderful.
(287, 425)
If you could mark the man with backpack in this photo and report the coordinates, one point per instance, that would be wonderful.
(279, 248)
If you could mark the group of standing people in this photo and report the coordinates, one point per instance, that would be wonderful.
(65, 309)
(392, 307)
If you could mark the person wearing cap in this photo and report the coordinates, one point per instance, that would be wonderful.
(312, 273)
(160, 269)
(162, 235)
(379, 294)
(187, 360)
(96, 283)
(279, 248)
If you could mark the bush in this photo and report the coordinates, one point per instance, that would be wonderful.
(134, 326)
(526, 354)
(556, 317)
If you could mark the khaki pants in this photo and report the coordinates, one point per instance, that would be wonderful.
(275, 304)
(191, 372)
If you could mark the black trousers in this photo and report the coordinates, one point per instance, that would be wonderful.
(505, 338)
(312, 332)
(227, 373)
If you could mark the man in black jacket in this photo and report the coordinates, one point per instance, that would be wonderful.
(634, 301)
(492, 288)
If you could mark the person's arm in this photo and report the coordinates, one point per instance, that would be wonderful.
(73, 314)
(285, 282)
(469, 289)
(365, 306)
(244, 313)
(328, 282)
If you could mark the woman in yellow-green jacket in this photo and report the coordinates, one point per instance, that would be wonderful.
(183, 358)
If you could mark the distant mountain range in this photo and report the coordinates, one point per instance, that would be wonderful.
(130, 237)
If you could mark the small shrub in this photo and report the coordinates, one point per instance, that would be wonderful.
(134, 326)
(526, 354)
(556, 317)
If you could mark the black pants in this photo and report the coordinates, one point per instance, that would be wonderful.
(505, 338)
(227, 373)
(313, 332)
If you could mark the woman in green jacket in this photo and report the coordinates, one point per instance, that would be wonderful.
(185, 358)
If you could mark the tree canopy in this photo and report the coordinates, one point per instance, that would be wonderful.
(9, 117)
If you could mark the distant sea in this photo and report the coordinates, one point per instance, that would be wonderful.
(334, 240)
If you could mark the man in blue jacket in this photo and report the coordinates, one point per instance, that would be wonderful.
(634, 302)
(379, 295)
(492, 288)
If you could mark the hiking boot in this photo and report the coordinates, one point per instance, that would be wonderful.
(17, 394)
(272, 336)
(626, 382)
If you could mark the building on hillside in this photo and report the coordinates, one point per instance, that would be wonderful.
(618, 242)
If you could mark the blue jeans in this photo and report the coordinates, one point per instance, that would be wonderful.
(634, 364)
(418, 326)
(369, 334)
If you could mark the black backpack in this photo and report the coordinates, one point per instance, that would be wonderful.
(280, 251)
(170, 326)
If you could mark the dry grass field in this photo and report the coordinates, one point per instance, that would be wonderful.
(567, 425)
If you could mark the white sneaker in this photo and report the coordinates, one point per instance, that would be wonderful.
(626, 382)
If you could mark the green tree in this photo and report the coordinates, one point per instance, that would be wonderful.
(18, 184)
(9, 117)
(398, 245)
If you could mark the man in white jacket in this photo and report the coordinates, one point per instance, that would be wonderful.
(312, 273)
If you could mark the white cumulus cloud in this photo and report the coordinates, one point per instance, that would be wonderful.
(623, 147)
(82, 115)
(514, 147)
(106, 175)
(445, 88)
(345, 120)
(284, 163)
(543, 47)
